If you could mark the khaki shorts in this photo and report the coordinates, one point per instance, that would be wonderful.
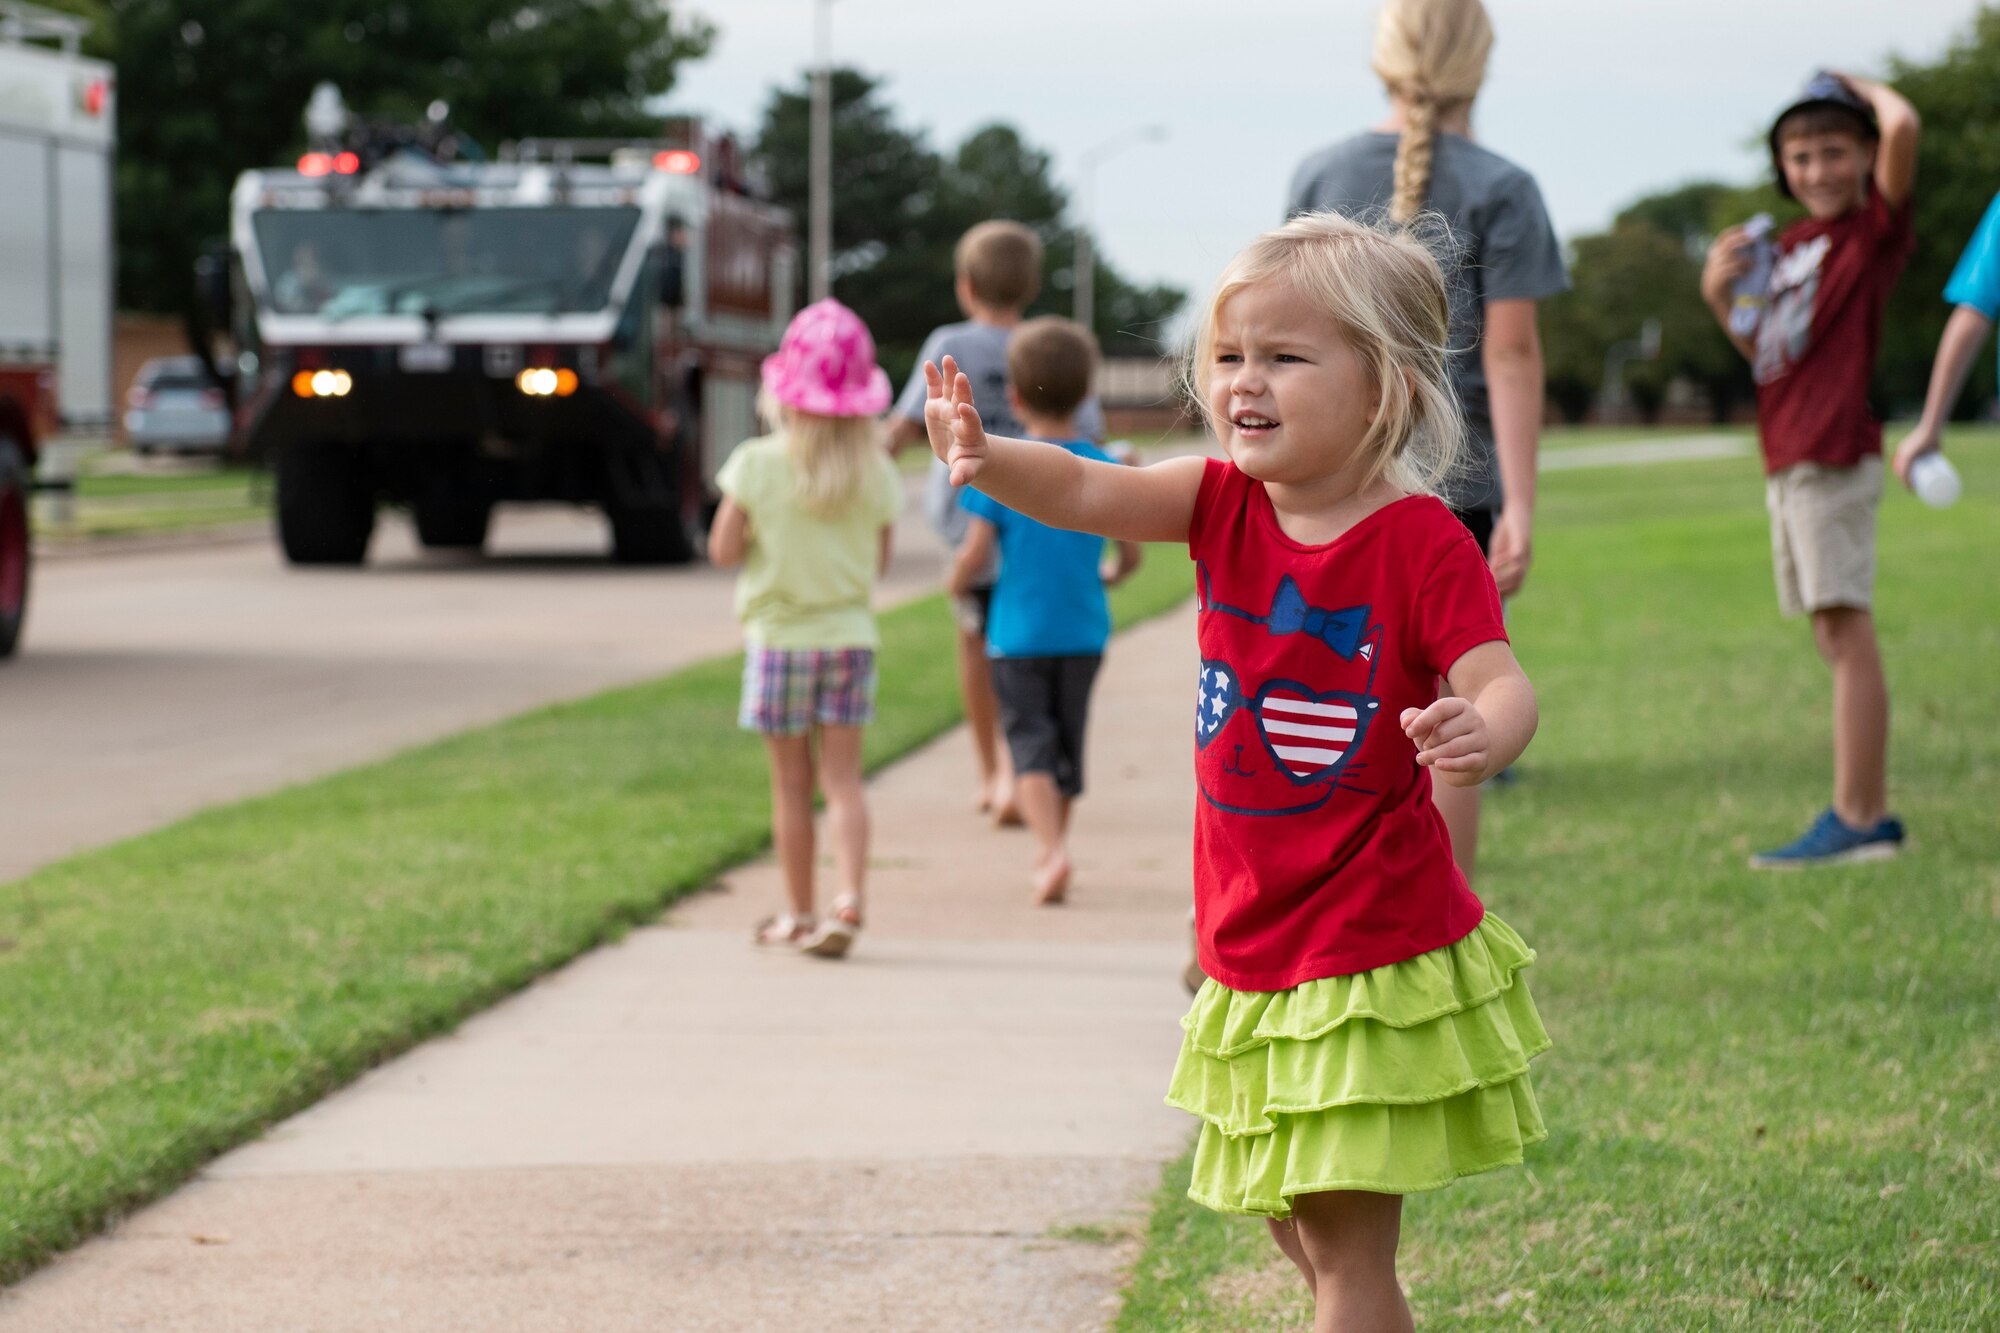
(1823, 534)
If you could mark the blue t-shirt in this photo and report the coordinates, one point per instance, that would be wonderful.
(981, 352)
(1976, 280)
(1050, 599)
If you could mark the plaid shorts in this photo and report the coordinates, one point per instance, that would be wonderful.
(789, 690)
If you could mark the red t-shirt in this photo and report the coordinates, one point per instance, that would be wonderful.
(1317, 849)
(1817, 342)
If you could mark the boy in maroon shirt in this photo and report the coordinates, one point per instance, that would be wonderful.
(1847, 151)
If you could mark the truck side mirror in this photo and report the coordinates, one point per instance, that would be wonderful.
(211, 284)
(675, 263)
(673, 274)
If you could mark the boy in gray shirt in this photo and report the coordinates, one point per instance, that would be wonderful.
(999, 271)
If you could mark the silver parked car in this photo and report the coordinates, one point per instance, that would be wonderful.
(174, 406)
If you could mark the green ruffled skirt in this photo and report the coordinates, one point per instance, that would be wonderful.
(1395, 1080)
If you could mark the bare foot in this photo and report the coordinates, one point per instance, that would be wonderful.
(1052, 880)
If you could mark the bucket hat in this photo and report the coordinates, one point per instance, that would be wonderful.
(1822, 89)
(826, 364)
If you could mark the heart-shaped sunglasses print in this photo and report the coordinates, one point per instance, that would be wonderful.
(1311, 734)
(1216, 701)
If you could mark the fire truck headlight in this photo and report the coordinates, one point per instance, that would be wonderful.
(542, 382)
(322, 383)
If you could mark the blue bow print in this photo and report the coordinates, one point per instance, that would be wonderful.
(1339, 630)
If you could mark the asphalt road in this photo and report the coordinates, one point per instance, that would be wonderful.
(153, 683)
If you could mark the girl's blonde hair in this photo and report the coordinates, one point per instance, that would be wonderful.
(830, 455)
(1385, 292)
(1432, 53)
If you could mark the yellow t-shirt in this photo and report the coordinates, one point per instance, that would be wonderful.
(806, 579)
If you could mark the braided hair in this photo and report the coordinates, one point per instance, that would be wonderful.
(1433, 54)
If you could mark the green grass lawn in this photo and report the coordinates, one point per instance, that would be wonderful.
(1774, 1098)
(169, 996)
(214, 511)
(1573, 437)
(111, 501)
(95, 481)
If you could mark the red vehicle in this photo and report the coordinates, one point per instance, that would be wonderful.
(27, 415)
(55, 265)
(579, 321)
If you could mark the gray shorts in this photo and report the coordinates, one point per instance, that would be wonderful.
(1044, 706)
(1823, 534)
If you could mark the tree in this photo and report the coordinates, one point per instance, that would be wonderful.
(1630, 271)
(209, 88)
(1572, 354)
(1647, 266)
(899, 208)
(1692, 344)
(1958, 169)
(1958, 166)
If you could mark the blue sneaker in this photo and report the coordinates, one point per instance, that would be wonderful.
(1831, 841)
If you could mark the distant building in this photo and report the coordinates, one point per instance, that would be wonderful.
(1143, 395)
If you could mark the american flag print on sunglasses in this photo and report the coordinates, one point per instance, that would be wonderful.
(1297, 740)
(1309, 734)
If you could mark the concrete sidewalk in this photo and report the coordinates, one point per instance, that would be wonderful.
(676, 1132)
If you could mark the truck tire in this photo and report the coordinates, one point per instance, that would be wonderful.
(326, 504)
(446, 523)
(16, 551)
(649, 535)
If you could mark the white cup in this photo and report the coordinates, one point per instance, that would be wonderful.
(1935, 480)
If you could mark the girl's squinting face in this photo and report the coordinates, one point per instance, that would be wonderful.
(1290, 398)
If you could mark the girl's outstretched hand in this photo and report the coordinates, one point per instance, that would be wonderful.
(1451, 740)
(957, 437)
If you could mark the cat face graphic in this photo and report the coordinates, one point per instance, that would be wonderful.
(1282, 745)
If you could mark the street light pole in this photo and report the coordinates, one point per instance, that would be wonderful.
(1085, 267)
(820, 172)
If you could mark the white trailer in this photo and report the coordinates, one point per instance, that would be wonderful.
(57, 113)
(56, 253)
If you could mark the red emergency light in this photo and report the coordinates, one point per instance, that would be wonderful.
(346, 163)
(95, 95)
(315, 164)
(678, 160)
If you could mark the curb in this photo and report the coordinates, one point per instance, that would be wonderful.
(60, 548)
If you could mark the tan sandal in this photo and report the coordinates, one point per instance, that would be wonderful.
(835, 935)
(784, 929)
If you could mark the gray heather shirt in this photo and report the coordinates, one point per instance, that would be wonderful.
(1507, 251)
(981, 352)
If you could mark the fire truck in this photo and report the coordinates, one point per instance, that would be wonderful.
(56, 141)
(579, 321)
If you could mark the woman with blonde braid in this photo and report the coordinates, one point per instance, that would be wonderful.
(1431, 57)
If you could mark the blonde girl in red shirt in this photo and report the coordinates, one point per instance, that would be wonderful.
(1365, 1032)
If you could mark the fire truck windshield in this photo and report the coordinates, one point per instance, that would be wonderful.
(442, 262)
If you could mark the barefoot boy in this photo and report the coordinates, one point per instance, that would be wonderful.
(1847, 151)
(1049, 620)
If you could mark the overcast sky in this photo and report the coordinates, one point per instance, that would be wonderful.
(1603, 100)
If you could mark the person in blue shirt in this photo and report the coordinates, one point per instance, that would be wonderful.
(1046, 631)
(1975, 290)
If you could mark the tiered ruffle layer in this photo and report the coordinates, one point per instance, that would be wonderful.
(1394, 1080)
